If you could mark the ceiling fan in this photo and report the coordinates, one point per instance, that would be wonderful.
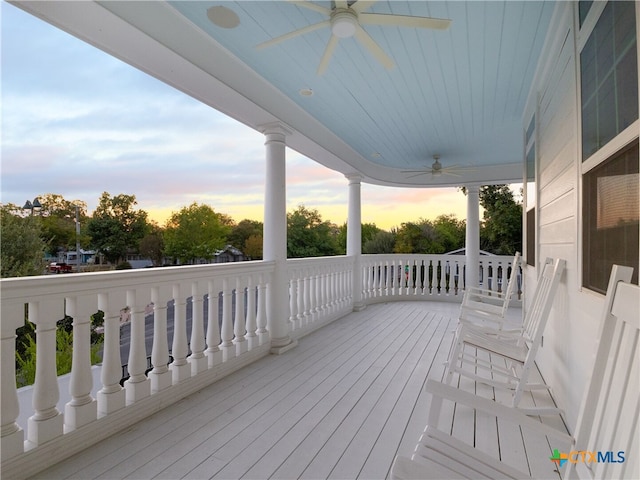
(437, 169)
(345, 19)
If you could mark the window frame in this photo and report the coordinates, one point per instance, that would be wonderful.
(613, 147)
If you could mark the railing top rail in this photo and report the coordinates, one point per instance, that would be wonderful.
(297, 262)
(21, 290)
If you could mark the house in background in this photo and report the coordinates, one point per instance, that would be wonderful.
(537, 92)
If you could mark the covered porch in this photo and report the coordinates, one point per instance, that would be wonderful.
(340, 405)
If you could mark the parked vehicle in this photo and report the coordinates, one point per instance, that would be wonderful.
(59, 267)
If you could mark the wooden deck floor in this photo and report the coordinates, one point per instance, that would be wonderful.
(340, 405)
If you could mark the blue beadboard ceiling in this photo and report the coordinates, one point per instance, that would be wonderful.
(457, 93)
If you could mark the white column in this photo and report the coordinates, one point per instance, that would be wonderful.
(472, 240)
(354, 238)
(275, 237)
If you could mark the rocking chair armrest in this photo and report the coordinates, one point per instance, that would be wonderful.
(513, 415)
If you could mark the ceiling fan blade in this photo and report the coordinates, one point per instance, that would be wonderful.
(326, 56)
(361, 5)
(418, 174)
(403, 21)
(311, 6)
(290, 35)
(371, 45)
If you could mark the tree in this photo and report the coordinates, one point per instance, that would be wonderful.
(417, 237)
(308, 235)
(116, 226)
(381, 242)
(152, 245)
(58, 217)
(501, 231)
(195, 232)
(253, 247)
(367, 232)
(21, 245)
(450, 233)
(247, 235)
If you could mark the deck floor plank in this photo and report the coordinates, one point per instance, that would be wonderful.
(342, 404)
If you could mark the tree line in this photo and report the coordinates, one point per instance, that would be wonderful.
(196, 232)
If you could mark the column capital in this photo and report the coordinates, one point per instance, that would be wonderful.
(475, 187)
(275, 128)
(353, 178)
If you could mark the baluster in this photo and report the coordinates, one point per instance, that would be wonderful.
(111, 396)
(261, 317)
(12, 435)
(439, 276)
(317, 297)
(456, 278)
(293, 300)
(180, 368)
(227, 347)
(214, 354)
(83, 408)
(160, 376)
(197, 359)
(447, 277)
(430, 277)
(322, 296)
(307, 297)
(47, 421)
(239, 328)
(300, 318)
(423, 276)
(252, 338)
(137, 386)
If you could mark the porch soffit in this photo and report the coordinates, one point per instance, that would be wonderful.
(457, 93)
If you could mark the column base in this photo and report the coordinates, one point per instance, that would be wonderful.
(358, 307)
(279, 350)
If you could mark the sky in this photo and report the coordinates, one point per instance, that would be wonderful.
(78, 122)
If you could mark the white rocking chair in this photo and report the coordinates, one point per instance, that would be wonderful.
(482, 305)
(608, 416)
(504, 358)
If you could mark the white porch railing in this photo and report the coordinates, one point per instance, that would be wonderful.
(429, 277)
(228, 330)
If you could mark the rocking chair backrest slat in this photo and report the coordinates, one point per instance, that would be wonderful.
(515, 266)
(608, 420)
(540, 305)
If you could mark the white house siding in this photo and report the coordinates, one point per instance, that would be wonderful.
(570, 337)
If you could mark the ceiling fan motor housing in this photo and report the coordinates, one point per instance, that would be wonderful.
(344, 23)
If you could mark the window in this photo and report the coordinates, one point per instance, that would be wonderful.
(611, 197)
(609, 77)
(610, 182)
